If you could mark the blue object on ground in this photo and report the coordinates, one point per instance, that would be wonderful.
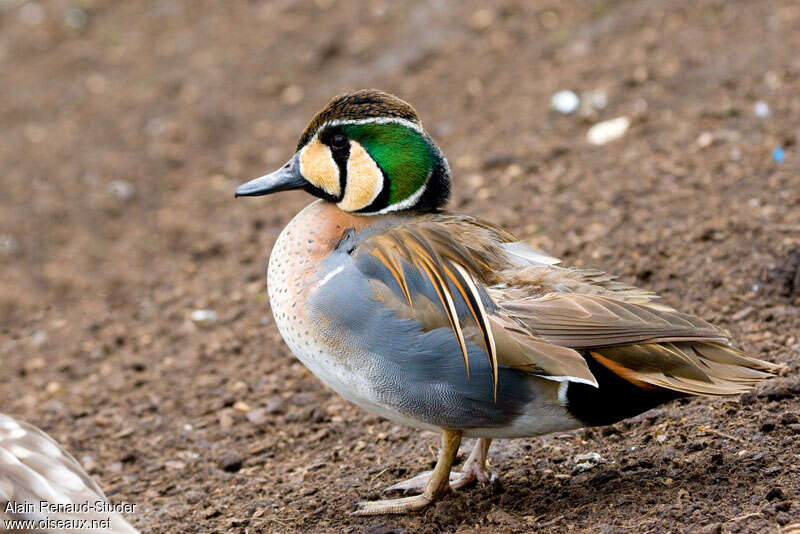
(778, 155)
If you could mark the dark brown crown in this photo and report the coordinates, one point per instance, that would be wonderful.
(363, 104)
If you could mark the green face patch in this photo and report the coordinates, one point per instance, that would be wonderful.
(402, 153)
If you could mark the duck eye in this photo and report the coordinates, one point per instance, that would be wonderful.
(338, 141)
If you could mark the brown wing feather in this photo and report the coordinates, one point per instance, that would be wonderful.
(544, 315)
(466, 255)
(643, 343)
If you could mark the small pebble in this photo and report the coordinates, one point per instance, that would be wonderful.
(231, 462)
(175, 464)
(275, 406)
(565, 102)
(204, 316)
(592, 457)
(257, 416)
(705, 139)
(761, 109)
(121, 190)
(607, 131)
(39, 338)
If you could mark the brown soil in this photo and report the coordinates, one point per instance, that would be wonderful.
(124, 137)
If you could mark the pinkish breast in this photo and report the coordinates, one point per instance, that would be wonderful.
(294, 263)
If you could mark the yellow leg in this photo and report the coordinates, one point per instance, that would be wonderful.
(436, 488)
(474, 470)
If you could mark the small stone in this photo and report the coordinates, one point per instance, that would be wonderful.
(275, 406)
(115, 467)
(705, 139)
(565, 102)
(776, 494)
(204, 316)
(175, 464)
(768, 427)
(257, 416)
(586, 462)
(241, 406)
(226, 420)
(661, 438)
(761, 109)
(592, 457)
(231, 462)
(121, 190)
(607, 131)
(39, 338)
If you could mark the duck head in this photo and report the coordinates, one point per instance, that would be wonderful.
(367, 152)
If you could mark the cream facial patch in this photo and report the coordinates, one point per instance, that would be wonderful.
(318, 167)
(364, 180)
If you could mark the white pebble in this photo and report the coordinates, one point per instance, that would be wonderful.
(705, 139)
(607, 131)
(204, 316)
(565, 102)
(592, 457)
(39, 338)
(761, 109)
(121, 190)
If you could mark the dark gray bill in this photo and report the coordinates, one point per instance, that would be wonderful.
(286, 178)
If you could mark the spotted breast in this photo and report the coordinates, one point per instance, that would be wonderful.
(299, 267)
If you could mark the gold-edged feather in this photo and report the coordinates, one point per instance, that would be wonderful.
(451, 266)
(543, 319)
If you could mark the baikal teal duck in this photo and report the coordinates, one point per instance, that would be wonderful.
(445, 322)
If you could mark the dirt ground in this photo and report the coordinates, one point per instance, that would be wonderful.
(127, 125)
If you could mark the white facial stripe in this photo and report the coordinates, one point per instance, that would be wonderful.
(374, 120)
(411, 200)
(364, 180)
(318, 167)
